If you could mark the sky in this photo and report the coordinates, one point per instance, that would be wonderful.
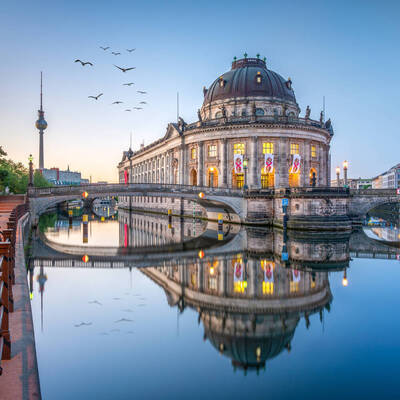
(346, 51)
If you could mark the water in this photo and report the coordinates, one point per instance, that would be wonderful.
(214, 321)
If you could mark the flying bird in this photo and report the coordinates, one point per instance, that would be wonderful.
(141, 92)
(95, 97)
(130, 50)
(115, 54)
(83, 324)
(128, 109)
(117, 102)
(123, 320)
(104, 48)
(143, 102)
(83, 63)
(95, 302)
(124, 69)
(128, 84)
(137, 108)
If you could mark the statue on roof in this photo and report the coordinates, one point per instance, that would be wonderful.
(199, 115)
(308, 112)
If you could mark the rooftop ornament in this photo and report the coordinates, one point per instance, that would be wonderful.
(258, 55)
(245, 55)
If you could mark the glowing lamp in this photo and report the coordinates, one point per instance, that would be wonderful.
(201, 254)
(212, 270)
(337, 170)
(345, 164)
(345, 281)
(245, 163)
(212, 169)
(31, 295)
(85, 258)
(85, 195)
(201, 195)
(30, 158)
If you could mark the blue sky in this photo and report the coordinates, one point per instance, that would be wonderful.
(345, 51)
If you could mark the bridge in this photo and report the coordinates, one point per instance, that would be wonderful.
(322, 208)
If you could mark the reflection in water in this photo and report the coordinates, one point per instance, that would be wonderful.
(249, 307)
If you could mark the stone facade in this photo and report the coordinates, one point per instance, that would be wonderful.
(252, 122)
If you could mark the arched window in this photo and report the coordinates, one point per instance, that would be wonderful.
(313, 177)
(218, 114)
(259, 111)
(244, 112)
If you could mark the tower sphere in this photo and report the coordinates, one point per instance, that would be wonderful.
(41, 123)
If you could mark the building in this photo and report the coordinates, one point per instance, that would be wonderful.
(249, 132)
(358, 183)
(57, 177)
(388, 180)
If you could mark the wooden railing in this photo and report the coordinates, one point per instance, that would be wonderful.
(7, 278)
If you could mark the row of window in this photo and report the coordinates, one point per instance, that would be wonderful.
(259, 112)
(239, 148)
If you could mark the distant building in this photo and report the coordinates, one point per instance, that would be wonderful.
(84, 181)
(58, 177)
(388, 180)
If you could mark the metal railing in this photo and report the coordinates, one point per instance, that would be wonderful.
(7, 278)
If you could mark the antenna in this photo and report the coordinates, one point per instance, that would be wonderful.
(177, 106)
(130, 143)
(323, 106)
(41, 92)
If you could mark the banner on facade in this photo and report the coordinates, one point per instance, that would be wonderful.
(238, 272)
(269, 272)
(126, 176)
(295, 164)
(295, 275)
(268, 163)
(238, 163)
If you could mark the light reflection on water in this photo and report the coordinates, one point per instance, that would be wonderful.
(224, 326)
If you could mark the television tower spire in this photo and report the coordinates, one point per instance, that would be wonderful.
(41, 125)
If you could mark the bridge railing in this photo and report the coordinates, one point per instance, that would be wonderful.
(374, 192)
(129, 187)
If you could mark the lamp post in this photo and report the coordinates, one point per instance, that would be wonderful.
(337, 176)
(245, 161)
(345, 166)
(30, 184)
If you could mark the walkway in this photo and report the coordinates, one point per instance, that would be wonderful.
(20, 379)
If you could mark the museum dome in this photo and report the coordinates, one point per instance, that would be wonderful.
(250, 77)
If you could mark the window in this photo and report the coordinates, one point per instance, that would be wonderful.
(244, 112)
(268, 148)
(259, 111)
(313, 151)
(221, 82)
(294, 148)
(218, 114)
(193, 153)
(238, 148)
(258, 77)
(212, 150)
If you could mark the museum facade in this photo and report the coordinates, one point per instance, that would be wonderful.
(249, 133)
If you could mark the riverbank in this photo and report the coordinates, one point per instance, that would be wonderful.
(20, 378)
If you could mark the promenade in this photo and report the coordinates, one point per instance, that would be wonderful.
(20, 379)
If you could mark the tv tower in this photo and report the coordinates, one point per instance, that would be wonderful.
(41, 124)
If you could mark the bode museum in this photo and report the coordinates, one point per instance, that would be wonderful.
(249, 133)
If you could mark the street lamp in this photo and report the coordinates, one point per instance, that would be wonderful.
(245, 187)
(338, 176)
(30, 184)
(345, 166)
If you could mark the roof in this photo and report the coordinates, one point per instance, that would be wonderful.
(242, 81)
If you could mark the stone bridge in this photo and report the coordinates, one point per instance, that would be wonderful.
(319, 208)
(230, 200)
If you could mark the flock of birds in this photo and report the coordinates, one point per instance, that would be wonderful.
(121, 320)
(124, 70)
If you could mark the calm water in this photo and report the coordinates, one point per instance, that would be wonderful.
(229, 318)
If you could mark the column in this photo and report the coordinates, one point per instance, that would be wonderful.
(223, 274)
(224, 163)
(171, 169)
(252, 271)
(254, 182)
(283, 162)
(328, 167)
(305, 171)
(200, 164)
(320, 177)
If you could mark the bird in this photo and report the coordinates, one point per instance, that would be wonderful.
(143, 102)
(116, 298)
(127, 310)
(83, 63)
(117, 102)
(130, 50)
(104, 48)
(124, 69)
(83, 324)
(95, 97)
(141, 92)
(128, 109)
(123, 320)
(115, 54)
(138, 108)
(95, 302)
(128, 84)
